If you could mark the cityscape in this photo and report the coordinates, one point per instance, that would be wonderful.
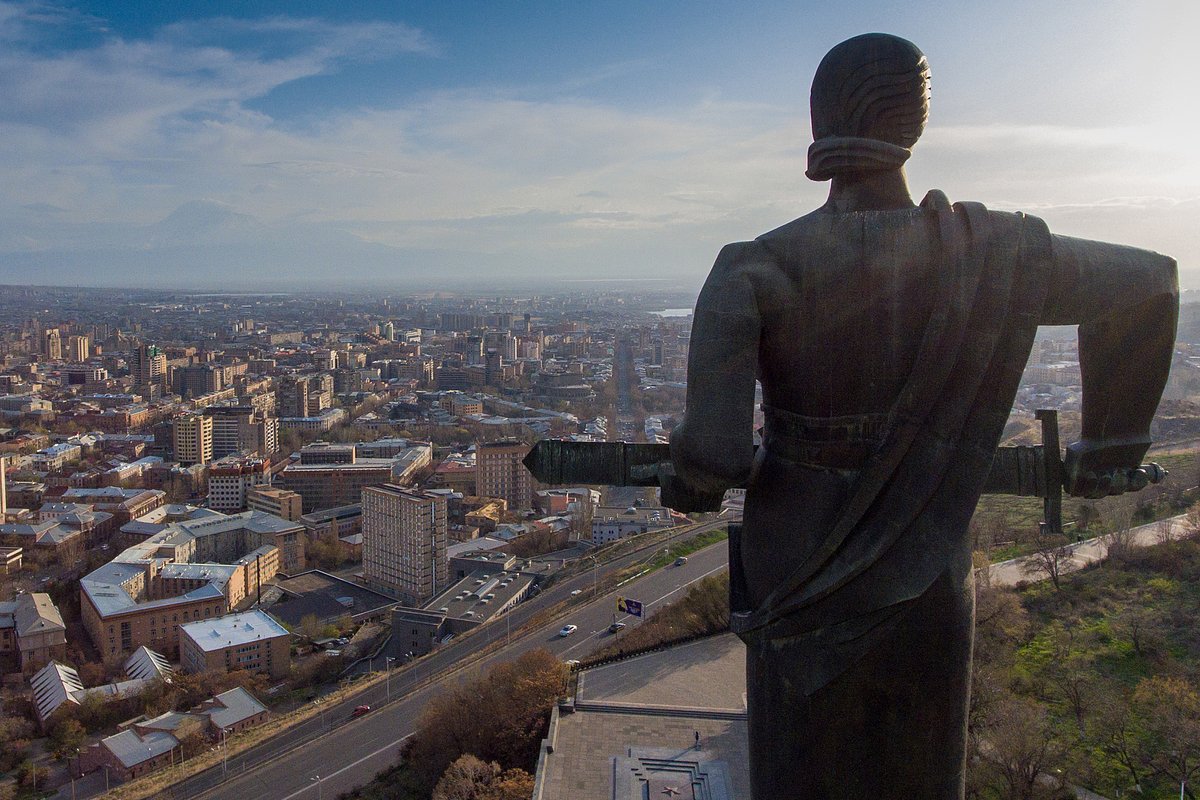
(293, 497)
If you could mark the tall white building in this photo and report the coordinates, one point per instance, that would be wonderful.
(232, 477)
(404, 541)
(193, 439)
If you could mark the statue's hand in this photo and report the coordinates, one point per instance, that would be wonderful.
(678, 495)
(1099, 469)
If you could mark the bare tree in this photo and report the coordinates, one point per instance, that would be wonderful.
(1050, 557)
(1119, 514)
(1165, 531)
(1169, 745)
(1020, 751)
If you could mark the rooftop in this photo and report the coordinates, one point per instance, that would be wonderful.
(231, 707)
(325, 596)
(105, 586)
(481, 595)
(635, 721)
(132, 749)
(232, 629)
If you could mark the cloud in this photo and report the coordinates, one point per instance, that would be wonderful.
(142, 160)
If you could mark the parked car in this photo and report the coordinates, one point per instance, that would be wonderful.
(616, 626)
(359, 711)
(567, 630)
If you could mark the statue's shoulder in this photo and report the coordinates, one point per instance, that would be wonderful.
(813, 224)
(984, 218)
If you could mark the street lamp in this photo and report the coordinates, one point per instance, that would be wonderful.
(387, 665)
(224, 756)
(320, 786)
(595, 570)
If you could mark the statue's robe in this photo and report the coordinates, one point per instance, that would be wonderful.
(890, 346)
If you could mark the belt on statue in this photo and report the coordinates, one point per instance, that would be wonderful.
(823, 442)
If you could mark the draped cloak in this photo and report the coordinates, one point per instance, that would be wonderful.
(871, 550)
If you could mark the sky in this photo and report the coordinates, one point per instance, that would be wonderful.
(345, 145)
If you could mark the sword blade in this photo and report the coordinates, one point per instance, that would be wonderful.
(558, 462)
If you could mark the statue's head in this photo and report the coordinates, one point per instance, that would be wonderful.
(870, 101)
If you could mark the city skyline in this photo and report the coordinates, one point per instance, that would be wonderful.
(299, 146)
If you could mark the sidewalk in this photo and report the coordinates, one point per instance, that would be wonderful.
(1089, 551)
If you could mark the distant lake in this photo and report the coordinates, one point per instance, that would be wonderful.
(674, 312)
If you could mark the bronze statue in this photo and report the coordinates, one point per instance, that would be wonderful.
(890, 339)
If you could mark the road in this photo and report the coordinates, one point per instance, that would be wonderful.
(346, 754)
(1016, 570)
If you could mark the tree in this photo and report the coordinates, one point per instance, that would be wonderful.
(1066, 672)
(1115, 731)
(1165, 531)
(31, 775)
(92, 673)
(1021, 749)
(470, 778)
(465, 779)
(65, 738)
(514, 697)
(1119, 514)
(15, 732)
(311, 626)
(512, 784)
(1168, 709)
(1050, 557)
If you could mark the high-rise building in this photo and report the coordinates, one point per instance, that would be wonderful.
(79, 348)
(500, 473)
(272, 500)
(3, 488)
(198, 379)
(292, 396)
(148, 366)
(493, 368)
(192, 435)
(404, 541)
(231, 478)
(52, 344)
(242, 429)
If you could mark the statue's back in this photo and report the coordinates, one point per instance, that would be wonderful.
(845, 314)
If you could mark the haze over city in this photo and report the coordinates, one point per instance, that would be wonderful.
(311, 146)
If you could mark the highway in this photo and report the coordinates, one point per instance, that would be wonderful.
(345, 754)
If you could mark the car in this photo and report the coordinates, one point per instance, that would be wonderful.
(333, 653)
(572, 663)
(576, 592)
(567, 630)
(616, 626)
(359, 711)
(679, 562)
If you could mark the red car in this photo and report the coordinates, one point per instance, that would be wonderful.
(359, 711)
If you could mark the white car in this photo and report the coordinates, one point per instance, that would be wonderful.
(567, 630)
(576, 593)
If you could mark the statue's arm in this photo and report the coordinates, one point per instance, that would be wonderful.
(1126, 303)
(712, 448)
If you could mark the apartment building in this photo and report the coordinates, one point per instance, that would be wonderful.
(405, 533)
(500, 473)
(192, 435)
(251, 641)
